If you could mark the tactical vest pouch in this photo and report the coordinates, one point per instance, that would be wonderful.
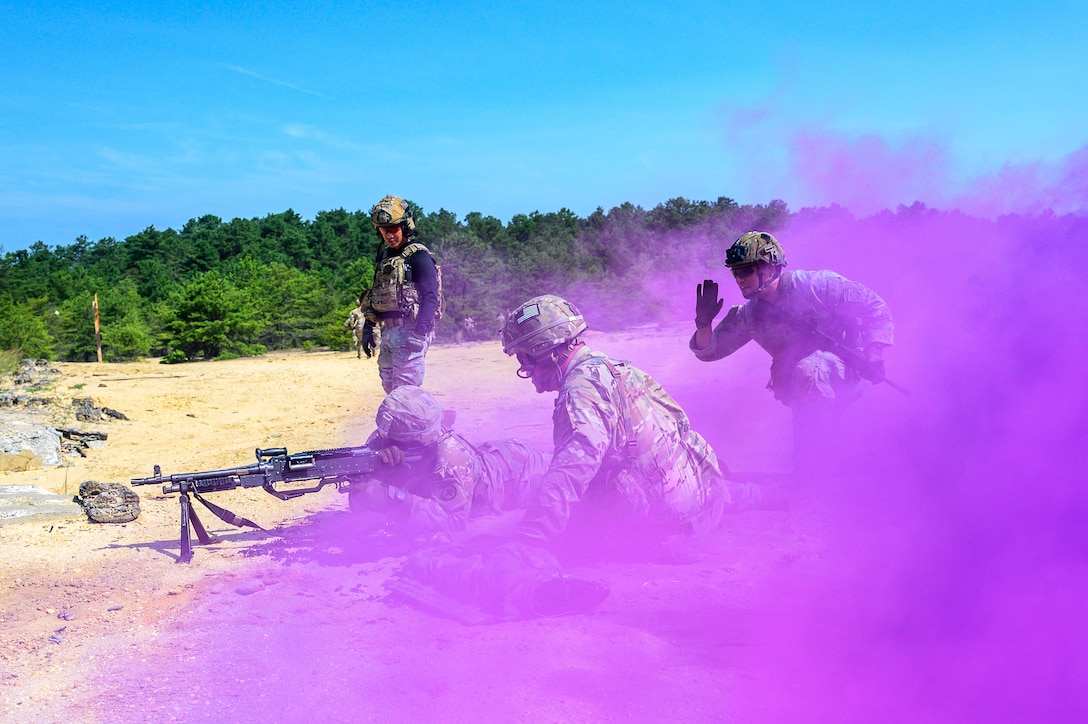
(393, 288)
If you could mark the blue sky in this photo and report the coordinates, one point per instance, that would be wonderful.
(115, 116)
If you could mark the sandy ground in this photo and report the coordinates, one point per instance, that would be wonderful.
(293, 624)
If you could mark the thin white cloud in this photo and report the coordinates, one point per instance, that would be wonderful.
(310, 133)
(266, 79)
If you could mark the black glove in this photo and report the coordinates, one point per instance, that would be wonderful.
(873, 369)
(707, 304)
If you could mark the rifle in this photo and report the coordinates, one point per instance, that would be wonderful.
(853, 358)
(337, 466)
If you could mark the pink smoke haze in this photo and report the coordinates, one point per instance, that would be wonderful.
(937, 572)
(865, 174)
(869, 173)
(958, 578)
(816, 164)
(1034, 188)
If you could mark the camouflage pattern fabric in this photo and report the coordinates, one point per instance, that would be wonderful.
(506, 580)
(803, 372)
(397, 365)
(109, 502)
(455, 481)
(393, 291)
(668, 472)
(513, 471)
(395, 301)
(355, 322)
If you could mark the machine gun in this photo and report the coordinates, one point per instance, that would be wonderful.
(275, 467)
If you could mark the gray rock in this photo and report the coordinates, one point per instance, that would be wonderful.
(86, 410)
(109, 502)
(28, 446)
(249, 587)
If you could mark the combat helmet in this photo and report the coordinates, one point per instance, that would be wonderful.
(410, 415)
(393, 211)
(540, 325)
(755, 246)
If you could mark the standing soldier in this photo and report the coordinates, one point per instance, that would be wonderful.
(404, 297)
(467, 330)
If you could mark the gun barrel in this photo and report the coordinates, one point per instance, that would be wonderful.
(249, 476)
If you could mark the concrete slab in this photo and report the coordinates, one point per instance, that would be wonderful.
(28, 503)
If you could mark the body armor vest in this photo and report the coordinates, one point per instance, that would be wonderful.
(393, 289)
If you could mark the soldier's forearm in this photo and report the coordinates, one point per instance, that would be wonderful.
(703, 336)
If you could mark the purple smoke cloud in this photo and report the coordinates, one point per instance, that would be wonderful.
(814, 165)
(957, 568)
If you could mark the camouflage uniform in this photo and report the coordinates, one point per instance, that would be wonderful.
(355, 322)
(455, 480)
(621, 439)
(404, 299)
(397, 363)
(804, 373)
(450, 482)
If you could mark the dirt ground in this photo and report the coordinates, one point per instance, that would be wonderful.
(100, 622)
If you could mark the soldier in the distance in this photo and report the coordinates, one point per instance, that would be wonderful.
(363, 338)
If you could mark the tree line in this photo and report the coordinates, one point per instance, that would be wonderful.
(221, 289)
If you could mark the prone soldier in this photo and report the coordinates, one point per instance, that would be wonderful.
(623, 447)
(434, 479)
